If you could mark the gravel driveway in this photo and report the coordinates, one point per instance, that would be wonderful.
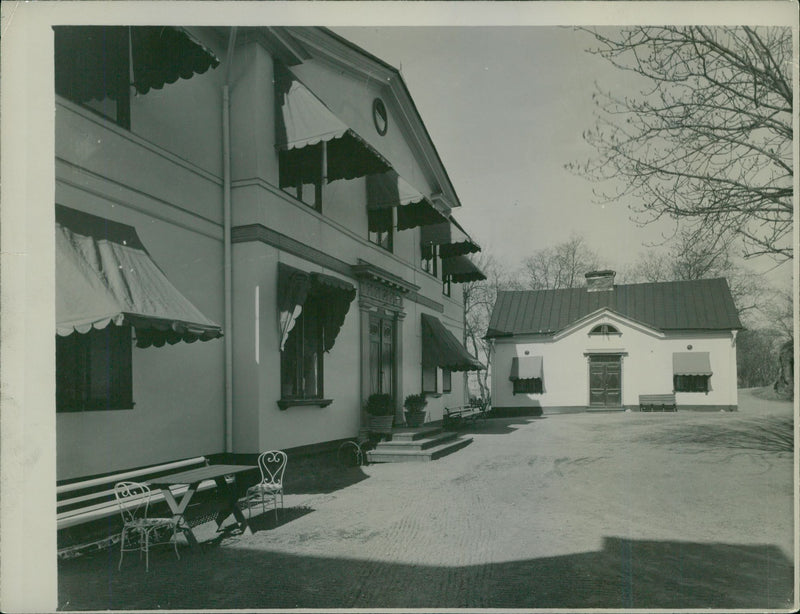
(617, 510)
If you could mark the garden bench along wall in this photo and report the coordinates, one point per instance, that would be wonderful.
(84, 501)
(657, 402)
(461, 414)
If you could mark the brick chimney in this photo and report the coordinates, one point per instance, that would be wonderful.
(600, 281)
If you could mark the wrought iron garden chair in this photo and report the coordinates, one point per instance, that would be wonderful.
(272, 464)
(139, 532)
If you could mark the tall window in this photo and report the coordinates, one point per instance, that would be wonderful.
(307, 181)
(301, 359)
(92, 67)
(93, 370)
(430, 259)
(690, 383)
(382, 238)
(446, 287)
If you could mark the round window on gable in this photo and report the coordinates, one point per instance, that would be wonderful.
(380, 116)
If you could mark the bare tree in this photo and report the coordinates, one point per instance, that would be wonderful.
(479, 300)
(695, 254)
(562, 266)
(709, 139)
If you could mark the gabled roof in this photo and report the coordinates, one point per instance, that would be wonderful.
(704, 304)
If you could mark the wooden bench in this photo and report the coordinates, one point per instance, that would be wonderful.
(83, 501)
(657, 402)
(461, 414)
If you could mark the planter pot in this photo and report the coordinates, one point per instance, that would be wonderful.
(381, 424)
(415, 418)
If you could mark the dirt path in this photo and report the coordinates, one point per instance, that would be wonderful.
(585, 510)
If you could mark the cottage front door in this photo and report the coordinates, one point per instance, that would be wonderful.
(605, 381)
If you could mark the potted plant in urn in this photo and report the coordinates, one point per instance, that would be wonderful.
(380, 408)
(415, 409)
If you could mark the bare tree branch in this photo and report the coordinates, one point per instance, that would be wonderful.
(709, 139)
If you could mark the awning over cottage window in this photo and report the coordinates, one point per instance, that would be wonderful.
(303, 124)
(451, 238)
(691, 363)
(96, 62)
(388, 190)
(295, 285)
(461, 269)
(526, 367)
(440, 348)
(104, 274)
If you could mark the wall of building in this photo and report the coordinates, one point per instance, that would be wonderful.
(646, 366)
(164, 177)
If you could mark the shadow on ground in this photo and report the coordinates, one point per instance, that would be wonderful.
(319, 474)
(623, 574)
(766, 434)
(496, 426)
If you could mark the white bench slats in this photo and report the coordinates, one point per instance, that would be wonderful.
(121, 477)
(85, 514)
(94, 511)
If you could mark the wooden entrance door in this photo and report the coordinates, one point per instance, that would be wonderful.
(381, 354)
(605, 381)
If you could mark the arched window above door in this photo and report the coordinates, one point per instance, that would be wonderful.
(605, 329)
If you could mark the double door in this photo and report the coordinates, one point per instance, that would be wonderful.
(381, 353)
(605, 381)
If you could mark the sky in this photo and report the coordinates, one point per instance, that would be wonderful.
(506, 107)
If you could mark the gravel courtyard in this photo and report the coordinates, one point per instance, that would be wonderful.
(616, 510)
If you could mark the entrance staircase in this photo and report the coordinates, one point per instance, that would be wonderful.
(417, 445)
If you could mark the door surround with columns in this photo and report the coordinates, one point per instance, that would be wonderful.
(381, 295)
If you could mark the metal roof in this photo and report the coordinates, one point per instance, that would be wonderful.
(703, 304)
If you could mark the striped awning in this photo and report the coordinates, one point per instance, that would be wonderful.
(294, 287)
(389, 190)
(441, 348)
(691, 363)
(461, 269)
(451, 238)
(526, 367)
(304, 124)
(95, 62)
(104, 274)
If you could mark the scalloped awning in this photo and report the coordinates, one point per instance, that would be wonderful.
(303, 124)
(294, 287)
(461, 269)
(451, 238)
(388, 190)
(104, 274)
(691, 363)
(441, 348)
(526, 367)
(93, 62)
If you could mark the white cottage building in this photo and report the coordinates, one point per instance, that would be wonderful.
(600, 346)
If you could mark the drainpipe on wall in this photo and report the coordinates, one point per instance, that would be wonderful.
(227, 264)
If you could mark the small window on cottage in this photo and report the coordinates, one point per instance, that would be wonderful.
(429, 379)
(447, 380)
(691, 383)
(528, 386)
(605, 329)
(93, 370)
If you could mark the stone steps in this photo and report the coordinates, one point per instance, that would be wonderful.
(417, 445)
